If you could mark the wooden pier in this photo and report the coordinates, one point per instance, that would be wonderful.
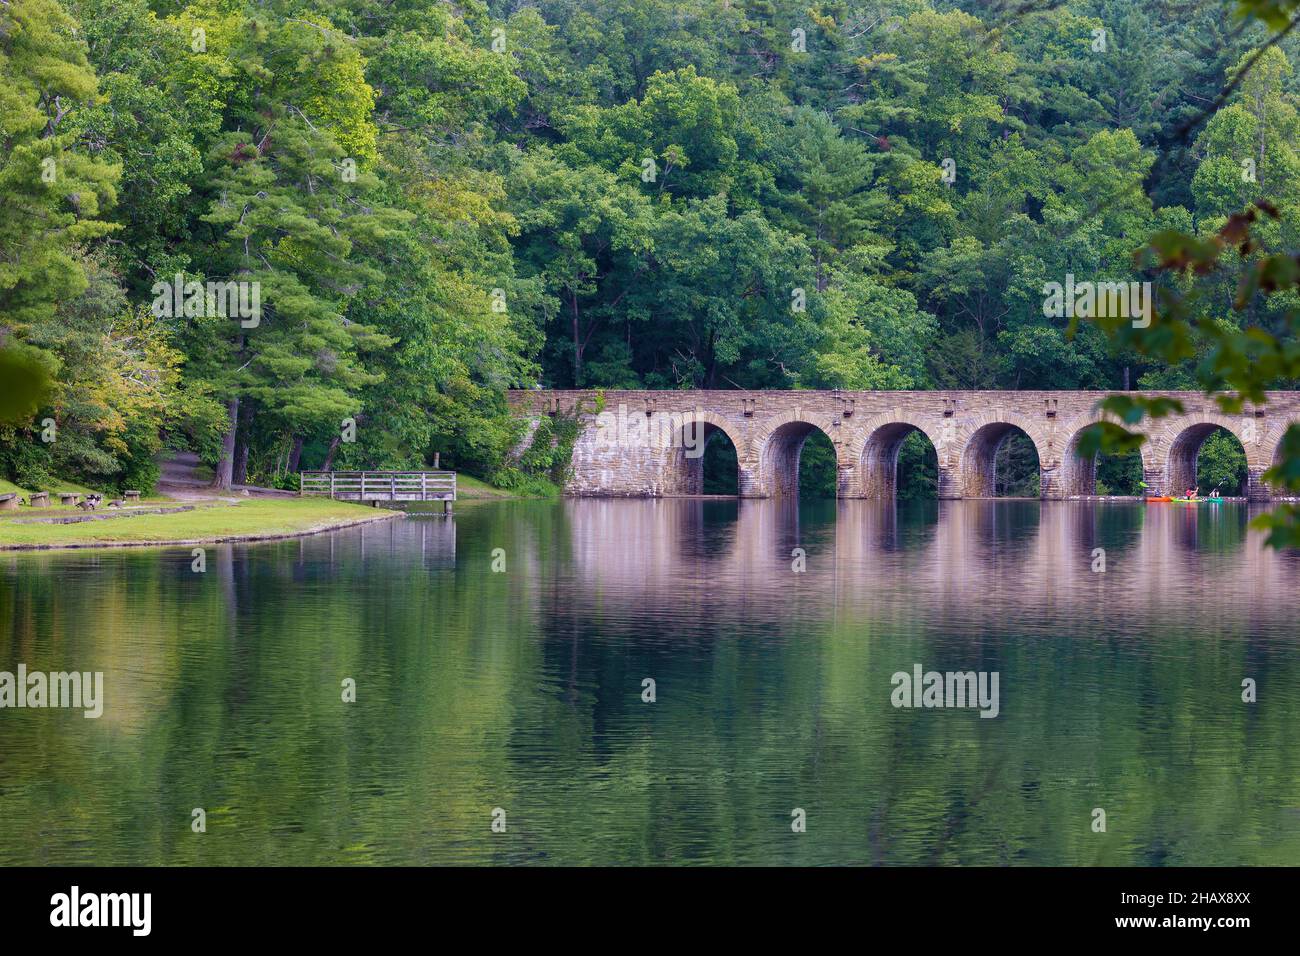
(372, 487)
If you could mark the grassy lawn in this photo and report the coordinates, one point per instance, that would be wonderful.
(470, 488)
(263, 517)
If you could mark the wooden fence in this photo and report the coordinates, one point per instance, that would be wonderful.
(379, 485)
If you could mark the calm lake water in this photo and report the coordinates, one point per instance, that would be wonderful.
(522, 690)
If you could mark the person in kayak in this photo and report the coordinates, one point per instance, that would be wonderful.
(1191, 494)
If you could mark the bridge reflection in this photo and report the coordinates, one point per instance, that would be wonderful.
(970, 567)
(952, 563)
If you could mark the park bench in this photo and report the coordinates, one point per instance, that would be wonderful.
(9, 502)
(67, 498)
(131, 496)
(40, 499)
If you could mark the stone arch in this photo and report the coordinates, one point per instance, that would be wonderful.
(1181, 439)
(681, 438)
(776, 447)
(979, 441)
(877, 456)
(1271, 448)
(1269, 443)
(1077, 475)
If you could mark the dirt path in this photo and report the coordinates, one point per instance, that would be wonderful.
(182, 479)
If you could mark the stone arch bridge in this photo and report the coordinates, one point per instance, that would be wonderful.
(650, 443)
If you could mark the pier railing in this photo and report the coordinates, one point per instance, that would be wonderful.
(379, 485)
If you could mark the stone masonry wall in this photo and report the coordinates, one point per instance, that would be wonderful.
(642, 443)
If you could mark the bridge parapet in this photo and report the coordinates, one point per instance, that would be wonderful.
(639, 443)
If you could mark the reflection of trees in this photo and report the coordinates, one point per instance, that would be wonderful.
(1103, 679)
(522, 690)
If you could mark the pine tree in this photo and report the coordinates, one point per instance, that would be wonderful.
(52, 187)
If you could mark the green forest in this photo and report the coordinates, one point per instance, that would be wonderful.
(440, 201)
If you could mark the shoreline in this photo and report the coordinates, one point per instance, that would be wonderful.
(187, 537)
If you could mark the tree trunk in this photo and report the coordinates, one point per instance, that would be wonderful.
(577, 345)
(295, 454)
(329, 457)
(239, 474)
(225, 466)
